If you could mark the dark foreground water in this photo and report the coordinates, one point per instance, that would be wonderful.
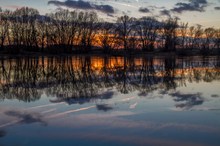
(54, 101)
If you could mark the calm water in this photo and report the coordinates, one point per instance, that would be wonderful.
(95, 100)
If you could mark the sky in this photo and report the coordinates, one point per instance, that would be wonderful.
(203, 12)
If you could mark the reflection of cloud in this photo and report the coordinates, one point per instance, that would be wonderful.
(2, 133)
(144, 10)
(26, 118)
(80, 4)
(133, 106)
(48, 111)
(81, 100)
(120, 139)
(205, 109)
(107, 95)
(10, 123)
(137, 140)
(104, 107)
(47, 105)
(215, 95)
(70, 101)
(70, 111)
(163, 92)
(128, 99)
(117, 120)
(188, 100)
(144, 94)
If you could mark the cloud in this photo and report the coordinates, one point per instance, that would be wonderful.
(165, 13)
(192, 5)
(217, 8)
(83, 5)
(144, 10)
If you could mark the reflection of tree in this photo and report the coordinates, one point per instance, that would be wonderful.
(169, 73)
(147, 78)
(76, 80)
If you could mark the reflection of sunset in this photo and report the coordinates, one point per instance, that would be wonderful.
(75, 67)
(97, 63)
(85, 76)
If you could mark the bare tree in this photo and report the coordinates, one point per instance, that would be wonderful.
(147, 30)
(87, 29)
(170, 34)
(183, 34)
(4, 27)
(209, 37)
(217, 39)
(198, 37)
(124, 29)
(106, 36)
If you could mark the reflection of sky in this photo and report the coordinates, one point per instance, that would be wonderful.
(130, 7)
(123, 119)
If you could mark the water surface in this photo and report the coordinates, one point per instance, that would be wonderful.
(106, 100)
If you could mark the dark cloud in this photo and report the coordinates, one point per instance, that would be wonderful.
(192, 5)
(165, 12)
(83, 5)
(217, 8)
(144, 10)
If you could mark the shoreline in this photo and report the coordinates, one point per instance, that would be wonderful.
(114, 53)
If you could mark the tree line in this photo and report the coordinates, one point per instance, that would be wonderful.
(67, 31)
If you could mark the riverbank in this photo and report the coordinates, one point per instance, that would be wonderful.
(112, 53)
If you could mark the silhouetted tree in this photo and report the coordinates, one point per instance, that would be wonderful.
(64, 31)
(88, 29)
(4, 27)
(106, 36)
(198, 37)
(124, 29)
(217, 39)
(170, 34)
(209, 37)
(147, 30)
(183, 34)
